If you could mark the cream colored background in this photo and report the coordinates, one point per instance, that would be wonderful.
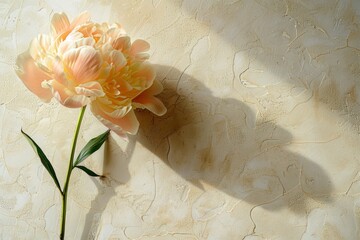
(261, 140)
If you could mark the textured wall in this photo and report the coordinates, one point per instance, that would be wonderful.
(261, 138)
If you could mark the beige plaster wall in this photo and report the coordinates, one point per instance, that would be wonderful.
(261, 138)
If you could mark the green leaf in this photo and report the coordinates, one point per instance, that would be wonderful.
(44, 160)
(88, 171)
(92, 146)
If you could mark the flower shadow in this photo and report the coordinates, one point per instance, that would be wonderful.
(217, 142)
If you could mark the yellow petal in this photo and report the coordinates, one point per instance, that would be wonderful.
(32, 76)
(84, 63)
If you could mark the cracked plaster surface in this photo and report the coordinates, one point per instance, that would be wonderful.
(260, 140)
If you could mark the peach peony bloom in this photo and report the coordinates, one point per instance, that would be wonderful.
(83, 63)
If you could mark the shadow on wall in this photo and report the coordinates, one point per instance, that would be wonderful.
(208, 140)
(218, 141)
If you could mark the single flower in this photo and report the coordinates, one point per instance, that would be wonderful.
(84, 63)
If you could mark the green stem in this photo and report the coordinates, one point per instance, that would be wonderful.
(66, 186)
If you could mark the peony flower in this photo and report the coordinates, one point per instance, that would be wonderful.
(85, 63)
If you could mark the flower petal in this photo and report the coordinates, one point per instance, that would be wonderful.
(138, 50)
(117, 59)
(59, 72)
(121, 112)
(115, 31)
(76, 101)
(59, 23)
(65, 96)
(151, 103)
(32, 76)
(141, 79)
(146, 74)
(155, 89)
(39, 46)
(74, 40)
(139, 46)
(124, 86)
(90, 89)
(126, 124)
(147, 100)
(121, 43)
(84, 63)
